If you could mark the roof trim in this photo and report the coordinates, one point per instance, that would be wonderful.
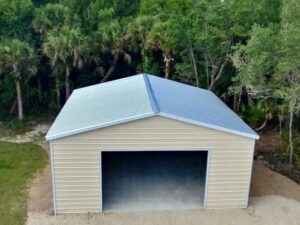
(154, 104)
(167, 115)
(90, 128)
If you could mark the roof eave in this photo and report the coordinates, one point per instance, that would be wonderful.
(91, 128)
(171, 116)
(167, 115)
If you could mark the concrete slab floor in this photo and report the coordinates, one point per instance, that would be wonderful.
(134, 181)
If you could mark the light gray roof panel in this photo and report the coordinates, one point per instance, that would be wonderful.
(102, 105)
(142, 96)
(196, 105)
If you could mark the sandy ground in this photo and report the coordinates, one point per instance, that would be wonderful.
(274, 200)
(38, 130)
(267, 182)
(40, 193)
(270, 210)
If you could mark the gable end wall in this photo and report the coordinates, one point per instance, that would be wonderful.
(76, 160)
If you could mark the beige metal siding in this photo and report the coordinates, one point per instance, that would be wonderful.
(77, 160)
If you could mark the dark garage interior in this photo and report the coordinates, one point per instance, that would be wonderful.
(153, 180)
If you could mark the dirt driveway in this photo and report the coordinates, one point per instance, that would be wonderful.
(274, 200)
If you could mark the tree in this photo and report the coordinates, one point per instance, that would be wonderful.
(256, 61)
(165, 31)
(160, 37)
(287, 77)
(185, 40)
(108, 40)
(212, 38)
(18, 60)
(51, 17)
(15, 18)
(269, 65)
(136, 35)
(210, 31)
(65, 46)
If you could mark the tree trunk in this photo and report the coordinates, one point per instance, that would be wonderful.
(239, 99)
(268, 117)
(57, 90)
(280, 118)
(206, 70)
(167, 60)
(108, 73)
(216, 77)
(67, 82)
(196, 73)
(235, 102)
(39, 88)
(262, 126)
(194, 62)
(19, 99)
(13, 107)
(111, 69)
(291, 133)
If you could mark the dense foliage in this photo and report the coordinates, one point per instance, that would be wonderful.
(246, 51)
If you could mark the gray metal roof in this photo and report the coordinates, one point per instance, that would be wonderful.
(142, 96)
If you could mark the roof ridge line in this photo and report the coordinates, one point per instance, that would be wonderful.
(152, 98)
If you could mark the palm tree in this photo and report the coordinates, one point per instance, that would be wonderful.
(161, 37)
(138, 30)
(18, 60)
(65, 46)
(109, 40)
(51, 17)
(136, 35)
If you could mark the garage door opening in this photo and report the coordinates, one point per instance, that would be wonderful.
(153, 180)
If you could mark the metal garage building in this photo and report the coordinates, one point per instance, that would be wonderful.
(147, 143)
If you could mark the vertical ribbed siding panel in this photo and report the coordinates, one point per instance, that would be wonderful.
(78, 161)
(77, 180)
(53, 178)
(250, 175)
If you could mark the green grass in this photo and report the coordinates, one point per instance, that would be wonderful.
(18, 163)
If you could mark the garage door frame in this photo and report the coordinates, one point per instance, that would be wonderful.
(152, 150)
